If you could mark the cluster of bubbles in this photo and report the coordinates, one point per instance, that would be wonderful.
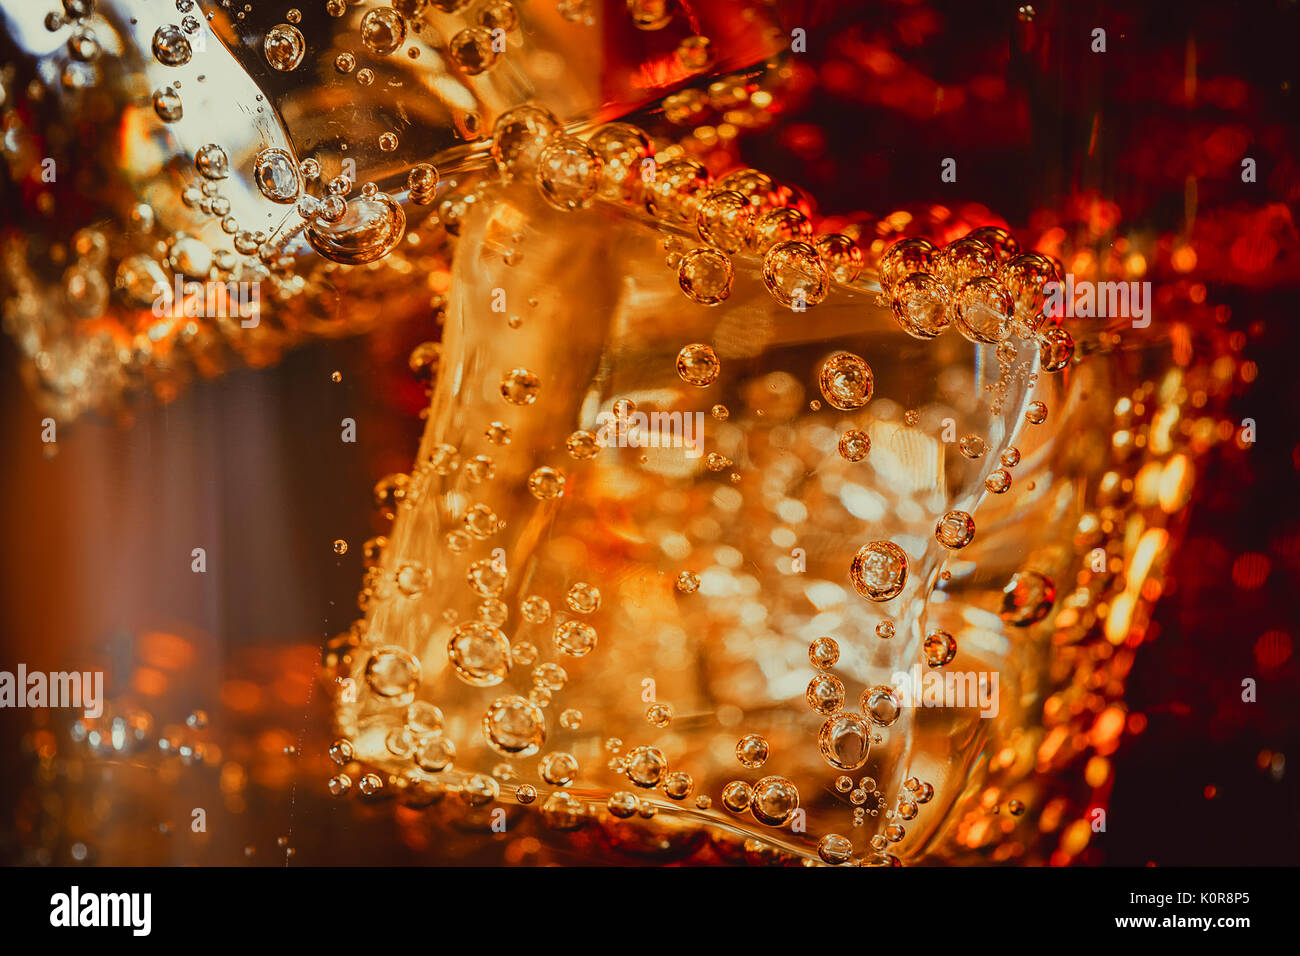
(742, 213)
(845, 740)
(481, 655)
(982, 285)
(514, 725)
(351, 231)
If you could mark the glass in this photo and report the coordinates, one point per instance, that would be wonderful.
(720, 530)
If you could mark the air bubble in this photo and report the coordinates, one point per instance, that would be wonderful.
(480, 653)
(382, 31)
(879, 571)
(698, 365)
(845, 741)
(568, 173)
(795, 275)
(211, 162)
(170, 46)
(846, 381)
(940, 648)
(823, 652)
(854, 445)
(773, 801)
(284, 47)
(955, 530)
(705, 275)
(276, 175)
(167, 104)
